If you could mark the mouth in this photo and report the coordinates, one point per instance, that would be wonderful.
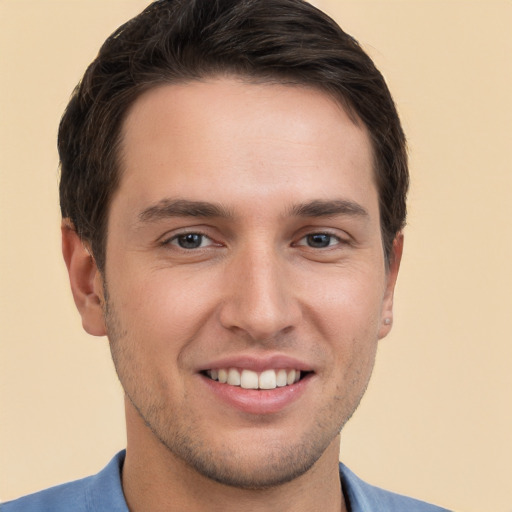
(249, 379)
(258, 385)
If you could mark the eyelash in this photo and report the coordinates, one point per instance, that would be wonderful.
(337, 239)
(175, 240)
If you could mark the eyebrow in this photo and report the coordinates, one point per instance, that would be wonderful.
(329, 208)
(167, 208)
(182, 208)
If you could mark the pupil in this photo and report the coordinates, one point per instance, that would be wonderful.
(190, 241)
(319, 240)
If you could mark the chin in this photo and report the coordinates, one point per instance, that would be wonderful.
(261, 471)
(248, 463)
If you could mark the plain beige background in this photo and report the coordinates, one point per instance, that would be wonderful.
(436, 422)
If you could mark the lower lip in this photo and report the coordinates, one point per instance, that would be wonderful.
(253, 401)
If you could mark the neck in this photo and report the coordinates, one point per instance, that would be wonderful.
(154, 479)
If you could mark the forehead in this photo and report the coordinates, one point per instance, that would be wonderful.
(242, 141)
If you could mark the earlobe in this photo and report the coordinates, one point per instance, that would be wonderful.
(85, 280)
(392, 274)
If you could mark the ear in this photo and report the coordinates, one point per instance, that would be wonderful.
(85, 279)
(392, 273)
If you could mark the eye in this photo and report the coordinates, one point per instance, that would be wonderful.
(191, 241)
(319, 240)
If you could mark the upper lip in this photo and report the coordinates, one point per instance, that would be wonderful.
(258, 363)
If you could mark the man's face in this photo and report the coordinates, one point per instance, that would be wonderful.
(244, 240)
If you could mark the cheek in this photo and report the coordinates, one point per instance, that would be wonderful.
(162, 306)
(346, 311)
(347, 304)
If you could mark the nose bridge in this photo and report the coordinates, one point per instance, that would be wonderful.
(260, 298)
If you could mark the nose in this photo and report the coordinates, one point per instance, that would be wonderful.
(260, 301)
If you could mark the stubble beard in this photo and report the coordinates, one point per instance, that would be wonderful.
(276, 464)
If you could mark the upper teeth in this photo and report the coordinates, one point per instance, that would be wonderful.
(247, 379)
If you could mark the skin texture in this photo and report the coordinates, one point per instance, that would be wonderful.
(271, 165)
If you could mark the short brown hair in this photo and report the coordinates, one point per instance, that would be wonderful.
(171, 41)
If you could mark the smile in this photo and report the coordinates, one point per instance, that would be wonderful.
(248, 379)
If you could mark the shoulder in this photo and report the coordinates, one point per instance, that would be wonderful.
(368, 498)
(102, 491)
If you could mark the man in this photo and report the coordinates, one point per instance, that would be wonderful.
(233, 192)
